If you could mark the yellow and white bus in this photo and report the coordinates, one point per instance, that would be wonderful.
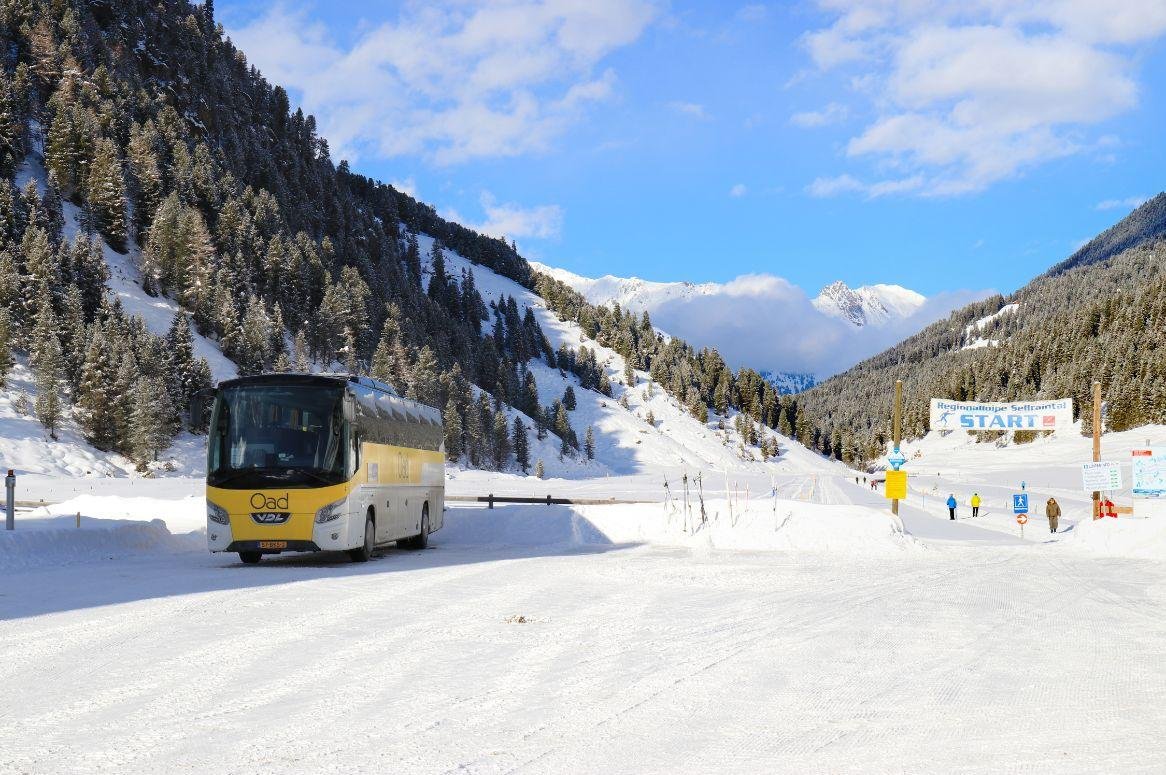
(310, 462)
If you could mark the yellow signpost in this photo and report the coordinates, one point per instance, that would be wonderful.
(896, 485)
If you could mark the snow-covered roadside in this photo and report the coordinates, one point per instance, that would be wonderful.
(767, 525)
(57, 541)
(112, 526)
(1141, 538)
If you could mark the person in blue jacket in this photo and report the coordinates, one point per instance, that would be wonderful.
(951, 504)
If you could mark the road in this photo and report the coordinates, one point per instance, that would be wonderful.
(974, 655)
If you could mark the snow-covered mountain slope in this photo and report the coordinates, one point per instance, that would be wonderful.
(625, 443)
(868, 305)
(631, 293)
(124, 278)
(789, 382)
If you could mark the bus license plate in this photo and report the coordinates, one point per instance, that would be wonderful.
(273, 544)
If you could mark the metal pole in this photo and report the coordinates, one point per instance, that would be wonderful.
(1096, 442)
(10, 506)
(897, 431)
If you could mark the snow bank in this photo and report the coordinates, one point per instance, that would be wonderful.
(767, 525)
(54, 543)
(1122, 537)
(181, 515)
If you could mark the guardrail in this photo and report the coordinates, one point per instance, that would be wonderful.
(491, 499)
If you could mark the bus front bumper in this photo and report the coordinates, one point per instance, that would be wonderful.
(272, 547)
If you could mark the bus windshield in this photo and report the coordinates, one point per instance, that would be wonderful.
(277, 435)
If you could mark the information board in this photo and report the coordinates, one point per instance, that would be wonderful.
(1149, 473)
(1103, 475)
(990, 416)
(1020, 503)
(896, 485)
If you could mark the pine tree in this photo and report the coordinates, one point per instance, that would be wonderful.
(474, 434)
(300, 353)
(105, 192)
(569, 398)
(254, 350)
(6, 342)
(528, 401)
(96, 411)
(589, 443)
(150, 420)
(539, 469)
(500, 440)
(423, 382)
(453, 430)
(9, 284)
(90, 272)
(182, 376)
(121, 401)
(74, 335)
(521, 445)
(48, 367)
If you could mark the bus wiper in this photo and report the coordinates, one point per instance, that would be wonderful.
(318, 477)
(239, 473)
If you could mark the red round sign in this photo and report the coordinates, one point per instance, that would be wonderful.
(1022, 518)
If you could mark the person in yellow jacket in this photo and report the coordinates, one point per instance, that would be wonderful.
(975, 504)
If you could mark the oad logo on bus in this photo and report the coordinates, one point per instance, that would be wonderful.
(261, 501)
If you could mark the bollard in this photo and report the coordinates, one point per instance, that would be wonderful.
(78, 519)
(10, 508)
(548, 499)
(491, 501)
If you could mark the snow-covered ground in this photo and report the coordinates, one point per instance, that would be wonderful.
(598, 639)
(797, 627)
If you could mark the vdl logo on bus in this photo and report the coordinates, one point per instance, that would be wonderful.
(276, 509)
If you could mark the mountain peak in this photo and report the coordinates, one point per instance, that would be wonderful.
(869, 304)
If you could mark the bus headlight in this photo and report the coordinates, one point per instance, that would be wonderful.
(330, 513)
(216, 513)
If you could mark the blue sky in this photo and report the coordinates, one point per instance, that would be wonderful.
(937, 145)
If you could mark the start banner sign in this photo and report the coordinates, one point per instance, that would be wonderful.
(989, 416)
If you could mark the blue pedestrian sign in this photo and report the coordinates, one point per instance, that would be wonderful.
(1020, 503)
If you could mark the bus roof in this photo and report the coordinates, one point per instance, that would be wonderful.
(292, 378)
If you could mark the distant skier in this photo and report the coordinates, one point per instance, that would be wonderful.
(951, 504)
(1053, 512)
(975, 504)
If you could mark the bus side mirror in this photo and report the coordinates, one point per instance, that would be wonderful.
(198, 412)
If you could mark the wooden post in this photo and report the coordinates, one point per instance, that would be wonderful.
(897, 431)
(1096, 442)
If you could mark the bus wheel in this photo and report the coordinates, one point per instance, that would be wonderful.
(421, 540)
(365, 552)
(249, 558)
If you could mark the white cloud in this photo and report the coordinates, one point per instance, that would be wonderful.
(693, 109)
(738, 190)
(970, 93)
(406, 186)
(836, 185)
(798, 337)
(754, 12)
(452, 80)
(831, 114)
(1129, 203)
(824, 187)
(515, 222)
